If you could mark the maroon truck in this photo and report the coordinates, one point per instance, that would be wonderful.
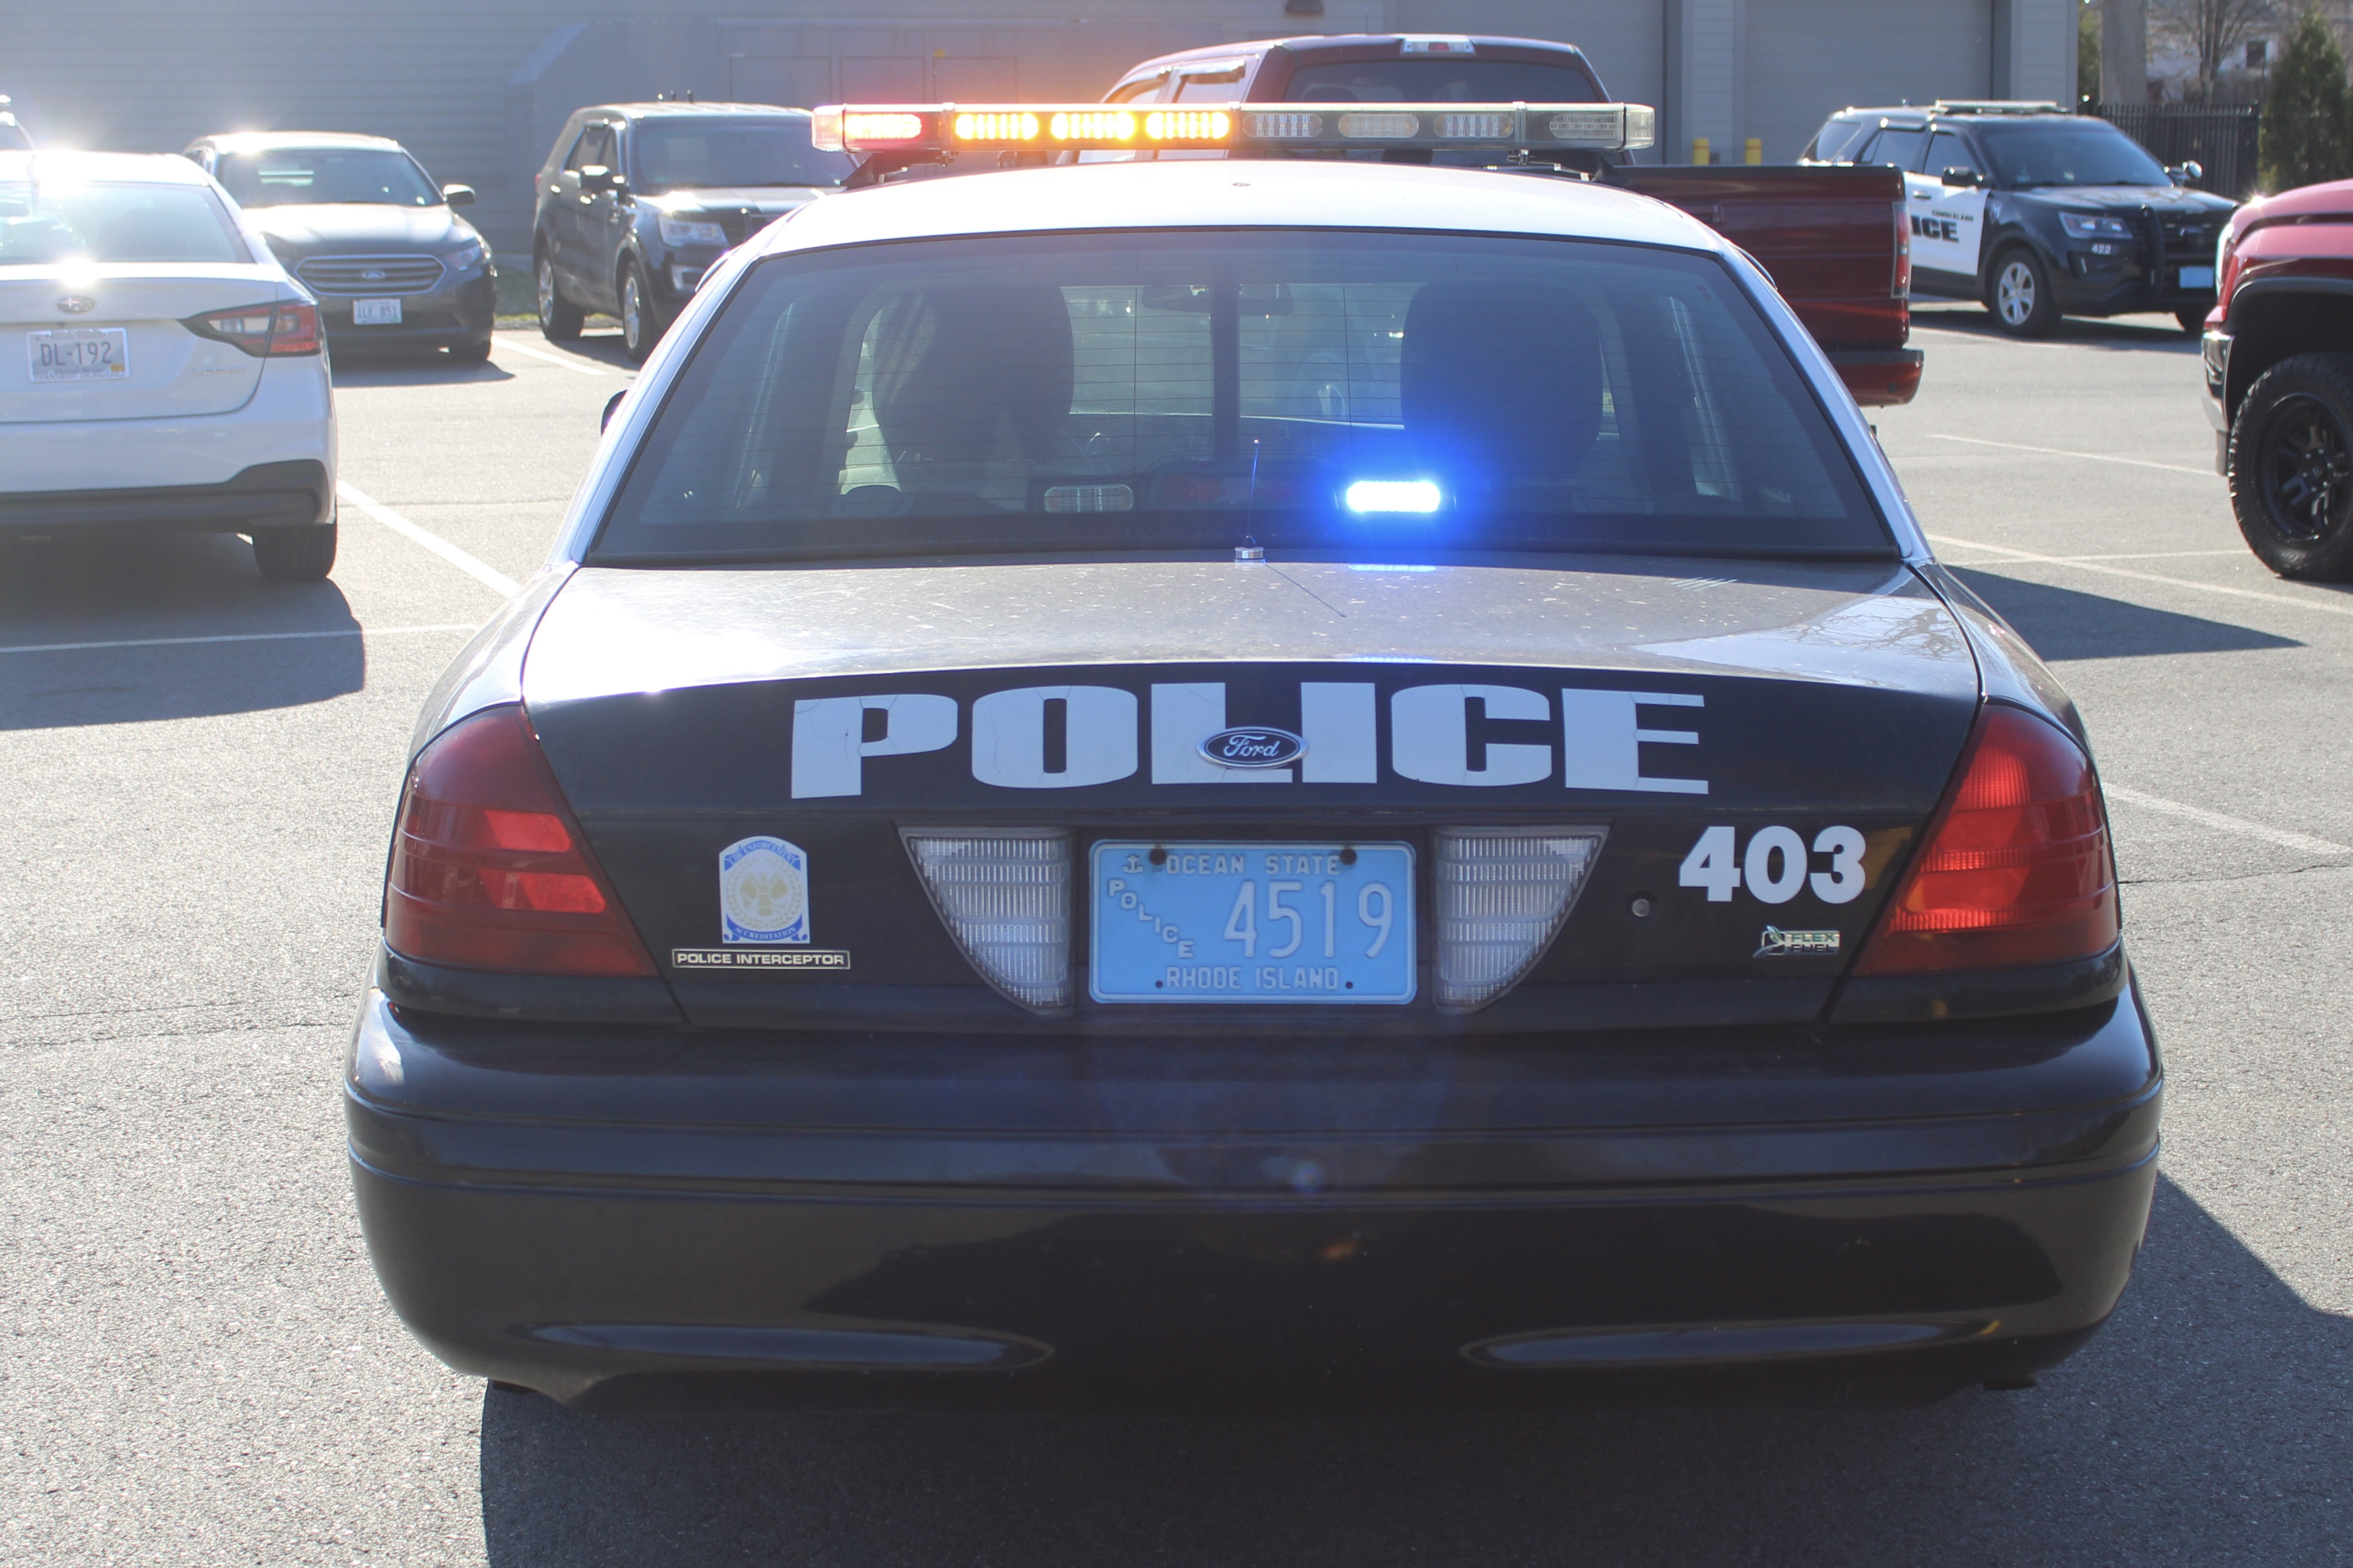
(1835, 239)
(2279, 378)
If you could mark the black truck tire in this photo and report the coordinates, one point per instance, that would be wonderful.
(559, 319)
(2291, 467)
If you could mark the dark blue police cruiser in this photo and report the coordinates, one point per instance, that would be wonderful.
(1273, 777)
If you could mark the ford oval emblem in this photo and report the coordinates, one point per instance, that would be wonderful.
(77, 304)
(1255, 747)
(372, 274)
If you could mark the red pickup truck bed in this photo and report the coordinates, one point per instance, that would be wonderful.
(1835, 244)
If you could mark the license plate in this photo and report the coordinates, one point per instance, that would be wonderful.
(1323, 924)
(376, 312)
(79, 354)
(2198, 277)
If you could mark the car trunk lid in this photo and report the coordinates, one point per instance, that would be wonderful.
(1665, 705)
(135, 311)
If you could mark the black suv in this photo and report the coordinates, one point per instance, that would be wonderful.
(637, 200)
(2038, 212)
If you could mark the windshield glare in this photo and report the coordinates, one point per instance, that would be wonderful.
(314, 176)
(2092, 153)
(51, 223)
(716, 155)
(1180, 391)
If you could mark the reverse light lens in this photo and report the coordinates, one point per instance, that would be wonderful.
(2083, 226)
(1005, 895)
(1392, 496)
(1503, 893)
(687, 231)
(488, 870)
(2016, 869)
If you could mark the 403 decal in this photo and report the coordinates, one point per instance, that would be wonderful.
(1775, 867)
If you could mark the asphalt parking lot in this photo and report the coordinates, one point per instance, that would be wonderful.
(195, 786)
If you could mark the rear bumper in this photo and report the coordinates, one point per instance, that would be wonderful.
(298, 494)
(448, 317)
(1883, 378)
(1903, 1210)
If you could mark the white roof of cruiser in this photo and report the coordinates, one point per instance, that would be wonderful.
(1234, 193)
(60, 166)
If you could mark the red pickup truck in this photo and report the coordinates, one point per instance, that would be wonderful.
(1835, 239)
(2279, 377)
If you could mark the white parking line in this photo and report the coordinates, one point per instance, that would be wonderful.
(2321, 605)
(487, 576)
(241, 636)
(2087, 457)
(2223, 823)
(503, 345)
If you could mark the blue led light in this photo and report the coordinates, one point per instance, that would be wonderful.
(1392, 495)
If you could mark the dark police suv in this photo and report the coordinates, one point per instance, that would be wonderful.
(2038, 213)
(636, 200)
(1304, 778)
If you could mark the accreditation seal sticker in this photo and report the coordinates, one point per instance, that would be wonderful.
(763, 892)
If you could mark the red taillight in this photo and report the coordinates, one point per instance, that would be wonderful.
(1901, 287)
(287, 327)
(488, 870)
(2015, 870)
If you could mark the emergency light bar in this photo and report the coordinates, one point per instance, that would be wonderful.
(1228, 127)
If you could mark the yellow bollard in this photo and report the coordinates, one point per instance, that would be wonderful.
(1756, 150)
(1699, 149)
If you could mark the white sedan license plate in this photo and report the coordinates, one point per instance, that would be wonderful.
(1328, 924)
(79, 353)
(376, 312)
(2198, 277)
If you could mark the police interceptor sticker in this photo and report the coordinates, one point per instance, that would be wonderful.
(768, 958)
(764, 893)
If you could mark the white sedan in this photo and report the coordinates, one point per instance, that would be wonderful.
(172, 377)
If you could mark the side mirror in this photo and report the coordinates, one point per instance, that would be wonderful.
(1964, 179)
(458, 196)
(597, 177)
(2187, 172)
(612, 407)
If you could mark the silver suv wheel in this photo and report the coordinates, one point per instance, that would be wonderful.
(2014, 291)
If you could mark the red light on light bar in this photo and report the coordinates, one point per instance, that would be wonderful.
(888, 126)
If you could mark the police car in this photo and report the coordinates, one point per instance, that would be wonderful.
(2038, 213)
(1301, 779)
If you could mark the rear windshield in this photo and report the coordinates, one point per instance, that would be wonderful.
(51, 222)
(2090, 153)
(1178, 391)
(716, 153)
(1838, 138)
(306, 176)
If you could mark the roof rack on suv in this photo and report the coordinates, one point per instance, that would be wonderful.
(1995, 106)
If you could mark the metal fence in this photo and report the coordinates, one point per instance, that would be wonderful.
(2222, 139)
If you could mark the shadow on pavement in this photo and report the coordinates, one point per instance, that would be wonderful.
(2142, 333)
(385, 368)
(2206, 1426)
(2063, 624)
(195, 586)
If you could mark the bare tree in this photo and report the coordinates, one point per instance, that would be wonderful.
(2214, 30)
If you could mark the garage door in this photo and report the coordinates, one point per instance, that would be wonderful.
(1809, 58)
